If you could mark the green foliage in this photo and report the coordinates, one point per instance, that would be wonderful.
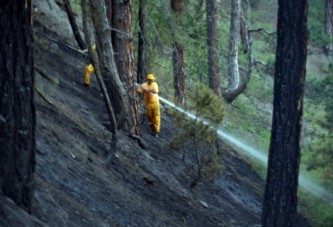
(263, 15)
(319, 214)
(316, 24)
(212, 167)
(242, 104)
(249, 116)
(253, 3)
(194, 41)
(321, 157)
(55, 80)
(325, 159)
(263, 87)
(264, 51)
(317, 156)
(318, 89)
(76, 6)
(205, 105)
(321, 118)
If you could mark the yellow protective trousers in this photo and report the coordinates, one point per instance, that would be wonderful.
(87, 73)
(154, 116)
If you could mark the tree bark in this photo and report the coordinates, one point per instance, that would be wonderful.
(245, 37)
(280, 201)
(176, 6)
(178, 72)
(178, 58)
(109, 10)
(234, 40)
(142, 64)
(17, 110)
(75, 28)
(123, 46)
(329, 26)
(107, 61)
(247, 42)
(212, 46)
(98, 73)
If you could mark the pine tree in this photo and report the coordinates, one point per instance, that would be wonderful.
(200, 131)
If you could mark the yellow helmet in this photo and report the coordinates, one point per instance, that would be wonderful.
(151, 77)
(90, 67)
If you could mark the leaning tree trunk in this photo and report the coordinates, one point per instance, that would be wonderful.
(123, 45)
(280, 202)
(142, 64)
(98, 73)
(17, 110)
(212, 41)
(245, 37)
(107, 61)
(178, 58)
(329, 26)
(75, 28)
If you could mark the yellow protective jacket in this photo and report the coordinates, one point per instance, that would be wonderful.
(87, 72)
(148, 97)
(152, 105)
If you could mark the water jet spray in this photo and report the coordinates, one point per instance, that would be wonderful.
(304, 181)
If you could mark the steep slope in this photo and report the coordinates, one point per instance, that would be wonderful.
(76, 185)
(74, 179)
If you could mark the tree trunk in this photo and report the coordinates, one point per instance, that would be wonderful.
(329, 26)
(178, 72)
(109, 10)
(212, 41)
(178, 58)
(123, 47)
(107, 61)
(142, 64)
(98, 73)
(247, 42)
(234, 40)
(75, 29)
(245, 35)
(176, 6)
(280, 201)
(17, 110)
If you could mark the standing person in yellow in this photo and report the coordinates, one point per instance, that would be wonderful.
(87, 74)
(89, 68)
(149, 90)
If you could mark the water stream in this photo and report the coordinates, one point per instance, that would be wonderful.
(304, 181)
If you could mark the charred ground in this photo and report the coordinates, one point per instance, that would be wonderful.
(77, 185)
(139, 188)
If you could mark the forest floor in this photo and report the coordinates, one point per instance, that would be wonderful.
(78, 185)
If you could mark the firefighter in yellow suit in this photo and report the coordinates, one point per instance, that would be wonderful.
(87, 74)
(149, 90)
(89, 69)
